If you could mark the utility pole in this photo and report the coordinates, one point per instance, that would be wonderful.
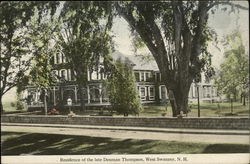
(198, 98)
(231, 98)
(45, 102)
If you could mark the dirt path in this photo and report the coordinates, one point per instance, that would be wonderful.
(132, 134)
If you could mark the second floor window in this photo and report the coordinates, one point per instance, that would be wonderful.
(63, 74)
(142, 76)
(137, 76)
(145, 76)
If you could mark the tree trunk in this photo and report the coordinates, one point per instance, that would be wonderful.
(179, 98)
(1, 104)
(172, 102)
(82, 94)
(244, 99)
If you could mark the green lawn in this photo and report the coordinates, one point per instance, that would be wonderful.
(206, 109)
(14, 143)
(10, 106)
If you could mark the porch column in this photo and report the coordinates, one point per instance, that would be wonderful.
(100, 92)
(88, 94)
(160, 96)
(54, 95)
(75, 95)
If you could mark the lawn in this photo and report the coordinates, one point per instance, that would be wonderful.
(14, 143)
(206, 110)
(10, 107)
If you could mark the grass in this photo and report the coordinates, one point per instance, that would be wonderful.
(14, 143)
(10, 106)
(206, 109)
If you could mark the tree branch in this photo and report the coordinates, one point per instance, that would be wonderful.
(226, 3)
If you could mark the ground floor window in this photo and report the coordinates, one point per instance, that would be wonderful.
(143, 93)
(151, 93)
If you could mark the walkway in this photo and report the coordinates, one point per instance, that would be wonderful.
(167, 134)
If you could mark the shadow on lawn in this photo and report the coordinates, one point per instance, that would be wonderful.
(229, 148)
(45, 144)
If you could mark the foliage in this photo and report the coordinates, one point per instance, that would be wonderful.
(177, 35)
(233, 77)
(19, 103)
(122, 90)
(15, 42)
(43, 49)
(84, 35)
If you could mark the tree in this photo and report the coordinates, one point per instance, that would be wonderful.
(43, 49)
(176, 33)
(15, 45)
(233, 77)
(122, 89)
(84, 37)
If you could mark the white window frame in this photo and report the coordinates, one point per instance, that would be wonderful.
(55, 58)
(69, 74)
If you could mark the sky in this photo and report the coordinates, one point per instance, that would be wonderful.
(223, 23)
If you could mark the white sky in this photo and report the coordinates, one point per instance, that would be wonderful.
(222, 22)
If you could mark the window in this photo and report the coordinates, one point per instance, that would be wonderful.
(207, 80)
(163, 92)
(69, 74)
(143, 93)
(142, 76)
(137, 76)
(63, 58)
(94, 94)
(158, 77)
(148, 76)
(58, 58)
(151, 93)
(94, 75)
(63, 74)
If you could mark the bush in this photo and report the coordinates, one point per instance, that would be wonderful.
(122, 89)
(12, 104)
(19, 105)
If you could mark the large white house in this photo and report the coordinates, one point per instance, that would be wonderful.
(148, 81)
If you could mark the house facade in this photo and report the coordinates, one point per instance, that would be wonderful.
(150, 86)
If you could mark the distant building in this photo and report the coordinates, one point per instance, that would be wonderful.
(150, 86)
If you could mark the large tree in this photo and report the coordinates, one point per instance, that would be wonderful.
(84, 37)
(176, 33)
(233, 77)
(15, 45)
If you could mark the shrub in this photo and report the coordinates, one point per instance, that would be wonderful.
(122, 89)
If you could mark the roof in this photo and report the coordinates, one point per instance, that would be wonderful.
(141, 62)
